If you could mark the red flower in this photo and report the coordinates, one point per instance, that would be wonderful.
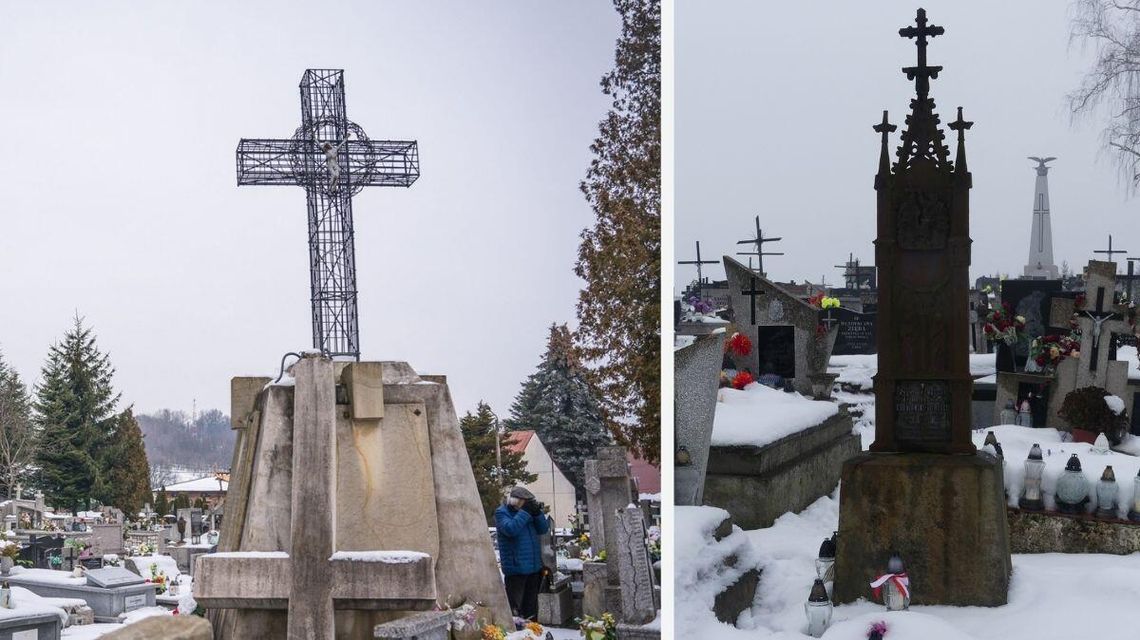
(742, 379)
(1041, 360)
(739, 344)
(816, 300)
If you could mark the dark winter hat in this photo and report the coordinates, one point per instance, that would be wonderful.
(522, 493)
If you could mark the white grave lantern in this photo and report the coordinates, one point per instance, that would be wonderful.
(1031, 495)
(1072, 488)
(817, 609)
(1106, 494)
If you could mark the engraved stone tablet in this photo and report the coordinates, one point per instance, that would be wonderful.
(130, 603)
(110, 577)
(922, 410)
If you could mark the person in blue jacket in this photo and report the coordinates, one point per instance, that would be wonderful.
(519, 522)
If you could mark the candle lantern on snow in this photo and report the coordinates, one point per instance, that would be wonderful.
(825, 564)
(1072, 488)
(1031, 494)
(1009, 413)
(817, 609)
(1107, 492)
(894, 585)
(1134, 512)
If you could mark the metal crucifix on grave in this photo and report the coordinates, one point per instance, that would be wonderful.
(1110, 250)
(700, 271)
(759, 241)
(1099, 316)
(332, 158)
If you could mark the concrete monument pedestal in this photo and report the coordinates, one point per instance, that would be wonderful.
(945, 515)
(556, 607)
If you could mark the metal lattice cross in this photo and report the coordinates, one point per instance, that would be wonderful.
(332, 158)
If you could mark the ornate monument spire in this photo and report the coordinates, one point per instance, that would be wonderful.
(1040, 264)
(922, 140)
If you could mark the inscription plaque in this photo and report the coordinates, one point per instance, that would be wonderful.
(922, 410)
(776, 350)
(130, 603)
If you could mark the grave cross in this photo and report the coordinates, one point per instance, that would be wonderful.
(1099, 316)
(700, 272)
(752, 292)
(921, 73)
(332, 158)
(851, 275)
(759, 241)
(1109, 250)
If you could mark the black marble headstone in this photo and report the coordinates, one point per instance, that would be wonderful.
(856, 332)
(1032, 299)
(776, 349)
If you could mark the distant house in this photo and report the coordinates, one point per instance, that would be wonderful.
(648, 478)
(551, 487)
(211, 488)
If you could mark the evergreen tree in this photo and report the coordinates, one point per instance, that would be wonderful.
(559, 404)
(162, 504)
(126, 482)
(74, 410)
(181, 501)
(479, 436)
(18, 437)
(619, 310)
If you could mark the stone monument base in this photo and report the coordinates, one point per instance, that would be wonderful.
(944, 514)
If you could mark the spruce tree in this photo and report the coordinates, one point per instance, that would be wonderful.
(559, 404)
(619, 310)
(18, 437)
(162, 504)
(479, 436)
(74, 410)
(126, 482)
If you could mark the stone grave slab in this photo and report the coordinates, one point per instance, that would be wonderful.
(635, 570)
(426, 625)
(33, 626)
(107, 603)
(109, 577)
(856, 332)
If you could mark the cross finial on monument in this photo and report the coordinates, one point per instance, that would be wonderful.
(885, 127)
(960, 125)
(332, 158)
(921, 73)
(1110, 250)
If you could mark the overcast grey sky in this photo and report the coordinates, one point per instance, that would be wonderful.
(775, 103)
(119, 200)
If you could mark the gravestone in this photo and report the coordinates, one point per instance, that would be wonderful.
(923, 491)
(790, 337)
(776, 348)
(112, 577)
(696, 374)
(106, 538)
(979, 310)
(639, 600)
(351, 497)
(1033, 300)
(856, 333)
(110, 594)
(608, 491)
(1099, 320)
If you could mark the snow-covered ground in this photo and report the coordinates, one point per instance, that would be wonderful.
(858, 370)
(1051, 595)
(758, 415)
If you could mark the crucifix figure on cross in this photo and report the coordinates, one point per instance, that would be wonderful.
(330, 174)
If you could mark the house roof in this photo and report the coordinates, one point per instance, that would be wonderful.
(206, 484)
(518, 440)
(648, 476)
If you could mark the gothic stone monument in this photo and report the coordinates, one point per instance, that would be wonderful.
(923, 490)
(351, 502)
(785, 331)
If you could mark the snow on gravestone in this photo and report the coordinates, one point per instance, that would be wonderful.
(110, 577)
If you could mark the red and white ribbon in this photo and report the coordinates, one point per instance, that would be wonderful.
(902, 583)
